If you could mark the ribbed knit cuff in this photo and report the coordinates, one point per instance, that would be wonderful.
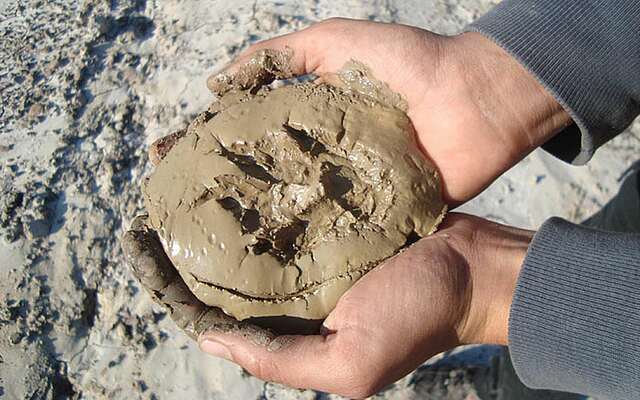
(584, 52)
(575, 319)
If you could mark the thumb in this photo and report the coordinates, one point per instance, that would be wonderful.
(293, 360)
(294, 54)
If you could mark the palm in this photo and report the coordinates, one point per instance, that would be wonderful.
(401, 313)
(412, 294)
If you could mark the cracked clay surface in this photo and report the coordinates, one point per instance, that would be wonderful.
(275, 201)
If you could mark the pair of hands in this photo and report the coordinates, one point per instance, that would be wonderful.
(477, 112)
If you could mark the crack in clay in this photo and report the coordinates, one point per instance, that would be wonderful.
(300, 294)
(247, 164)
(282, 243)
(305, 141)
(285, 241)
(337, 186)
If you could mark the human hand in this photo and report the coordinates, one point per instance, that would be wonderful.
(476, 111)
(453, 287)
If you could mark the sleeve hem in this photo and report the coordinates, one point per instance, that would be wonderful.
(574, 322)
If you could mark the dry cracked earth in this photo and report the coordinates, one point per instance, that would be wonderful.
(86, 86)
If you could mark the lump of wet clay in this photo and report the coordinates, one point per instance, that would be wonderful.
(274, 202)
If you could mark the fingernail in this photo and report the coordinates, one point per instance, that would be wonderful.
(216, 349)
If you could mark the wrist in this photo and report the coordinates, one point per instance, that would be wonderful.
(521, 112)
(495, 254)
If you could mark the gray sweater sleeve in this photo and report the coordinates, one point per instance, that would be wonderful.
(586, 53)
(575, 318)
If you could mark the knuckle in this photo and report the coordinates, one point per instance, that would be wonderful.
(263, 368)
(256, 366)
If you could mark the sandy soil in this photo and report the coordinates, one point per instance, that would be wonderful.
(86, 86)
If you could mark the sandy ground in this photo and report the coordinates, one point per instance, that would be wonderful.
(86, 86)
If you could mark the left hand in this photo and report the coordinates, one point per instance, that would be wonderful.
(451, 288)
(476, 110)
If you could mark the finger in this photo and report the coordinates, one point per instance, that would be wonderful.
(303, 44)
(144, 253)
(151, 266)
(159, 149)
(249, 73)
(154, 270)
(282, 57)
(292, 360)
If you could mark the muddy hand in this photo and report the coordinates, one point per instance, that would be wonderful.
(459, 91)
(450, 288)
(155, 272)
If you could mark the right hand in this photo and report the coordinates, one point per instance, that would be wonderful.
(476, 110)
(450, 288)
